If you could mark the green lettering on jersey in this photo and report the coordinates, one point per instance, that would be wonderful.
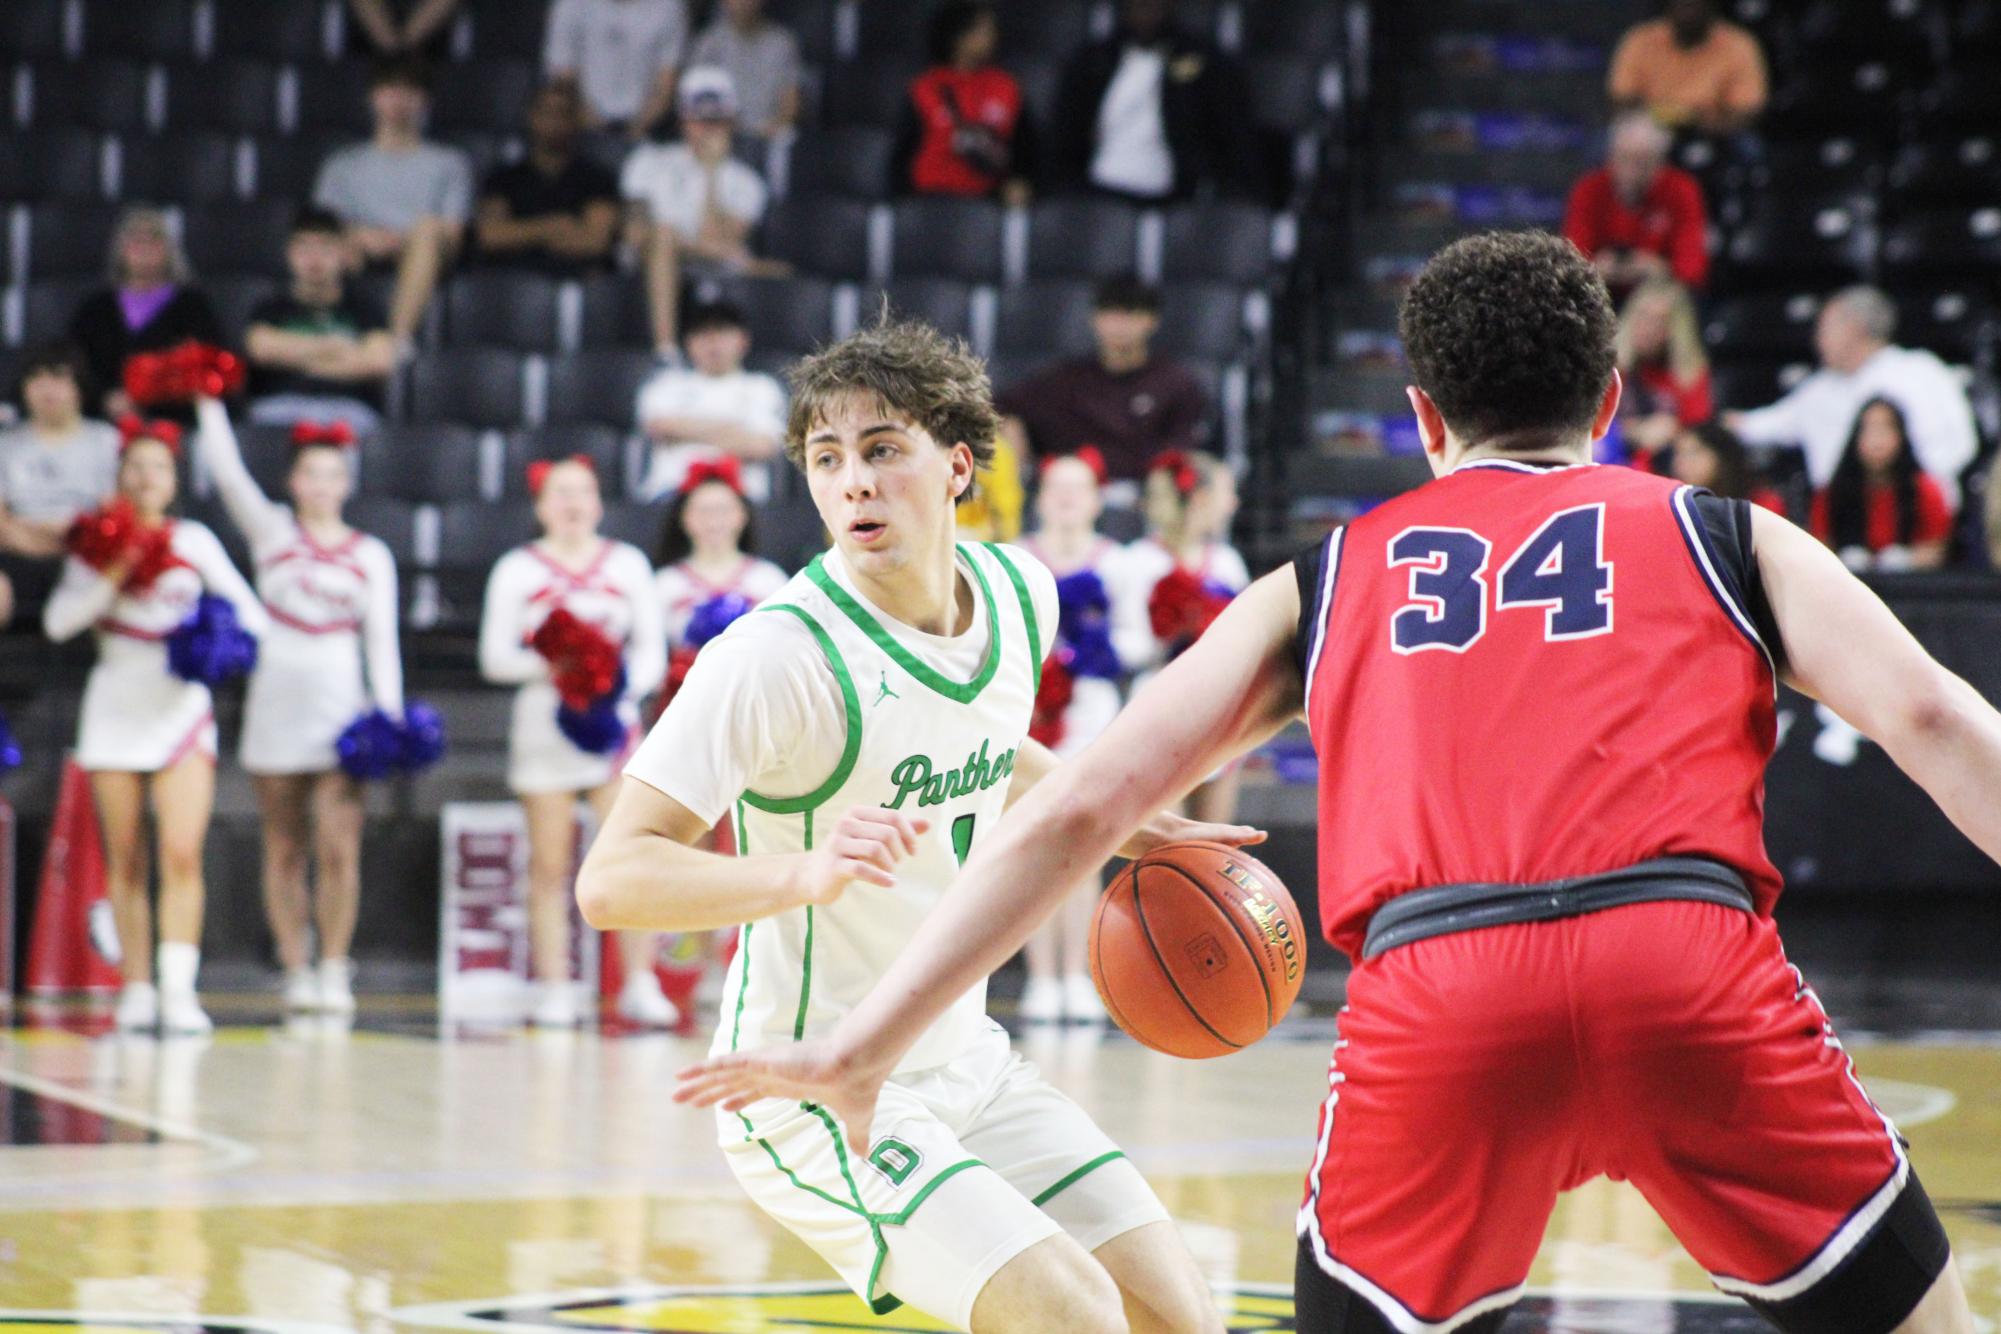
(917, 776)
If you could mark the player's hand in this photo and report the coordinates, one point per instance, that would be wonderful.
(815, 1072)
(865, 844)
(1167, 827)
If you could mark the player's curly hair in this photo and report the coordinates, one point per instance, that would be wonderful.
(1511, 334)
(914, 372)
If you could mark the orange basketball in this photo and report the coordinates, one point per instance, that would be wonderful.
(1197, 949)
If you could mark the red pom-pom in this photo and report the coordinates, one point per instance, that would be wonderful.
(585, 660)
(155, 556)
(1175, 606)
(101, 536)
(1052, 697)
(182, 372)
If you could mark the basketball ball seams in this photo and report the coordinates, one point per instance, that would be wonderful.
(1139, 911)
(1231, 914)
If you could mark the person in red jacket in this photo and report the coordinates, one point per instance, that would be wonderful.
(1881, 511)
(1636, 217)
(965, 130)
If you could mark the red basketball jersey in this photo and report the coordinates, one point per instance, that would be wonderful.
(1520, 673)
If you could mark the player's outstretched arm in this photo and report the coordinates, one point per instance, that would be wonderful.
(642, 874)
(1236, 685)
(1034, 762)
(1849, 651)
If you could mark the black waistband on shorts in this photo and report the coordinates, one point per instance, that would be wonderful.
(1442, 909)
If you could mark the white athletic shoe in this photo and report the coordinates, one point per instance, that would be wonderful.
(641, 1002)
(138, 1006)
(1080, 1000)
(557, 1008)
(181, 1013)
(336, 986)
(302, 989)
(1042, 1001)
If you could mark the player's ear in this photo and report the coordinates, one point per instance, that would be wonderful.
(963, 468)
(1430, 425)
(1608, 406)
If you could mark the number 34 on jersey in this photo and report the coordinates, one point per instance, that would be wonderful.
(1560, 571)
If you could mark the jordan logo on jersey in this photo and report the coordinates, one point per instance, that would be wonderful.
(883, 692)
(916, 776)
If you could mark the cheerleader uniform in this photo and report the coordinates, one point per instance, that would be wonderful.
(680, 590)
(138, 717)
(1147, 562)
(333, 612)
(614, 592)
(1095, 700)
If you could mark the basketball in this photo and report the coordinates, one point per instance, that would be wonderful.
(1197, 950)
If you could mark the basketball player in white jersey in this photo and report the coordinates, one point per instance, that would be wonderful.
(866, 726)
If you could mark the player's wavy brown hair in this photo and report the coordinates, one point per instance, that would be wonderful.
(916, 373)
(1511, 334)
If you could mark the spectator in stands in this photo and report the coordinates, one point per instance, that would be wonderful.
(762, 59)
(405, 27)
(53, 467)
(319, 352)
(712, 408)
(691, 205)
(1664, 367)
(964, 129)
(1711, 456)
(1858, 363)
(151, 303)
(622, 55)
(1881, 511)
(1636, 217)
(1126, 401)
(1690, 70)
(554, 210)
(1152, 112)
(403, 199)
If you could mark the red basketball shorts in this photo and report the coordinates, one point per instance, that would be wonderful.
(1482, 1073)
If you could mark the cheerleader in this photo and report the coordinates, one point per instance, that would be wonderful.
(607, 585)
(1093, 589)
(702, 541)
(331, 595)
(146, 731)
(1190, 500)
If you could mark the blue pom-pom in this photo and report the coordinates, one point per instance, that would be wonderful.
(423, 736)
(10, 750)
(1091, 652)
(1082, 595)
(370, 747)
(209, 646)
(598, 730)
(1083, 625)
(713, 617)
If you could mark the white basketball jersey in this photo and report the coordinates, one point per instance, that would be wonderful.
(917, 742)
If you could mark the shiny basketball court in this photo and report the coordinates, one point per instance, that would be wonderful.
(308, 1176)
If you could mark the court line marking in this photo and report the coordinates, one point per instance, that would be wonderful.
(231, 1153)
(171, 1322)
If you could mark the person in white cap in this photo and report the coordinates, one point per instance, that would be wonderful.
(691, 204)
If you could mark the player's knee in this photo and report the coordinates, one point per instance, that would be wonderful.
(1052, 1285)
(180, 859)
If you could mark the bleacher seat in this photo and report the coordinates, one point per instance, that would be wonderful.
(1863, 98)
(294, 31)
(1956, 323)
(473, 534)
(267, 452)
(1285, 92)
(489, 95)
(872, 91)
(634, 522)
(153, 30)
(1961, 244)
(947, 238)
(107, 95)
(1762, 326)
(1784, 246)
(603, 445)
(69, 238)
(1943, 173)
(334, 98)
(234, 296)
(508, 29)
(1082, 238)
(1041, 80)
(234, 96)
(615, 312)
(1964, 104)
(1837, 164)
(196, 167)
(600, 386)
(1043, 320)
(31, 28)
(1220, 242)
(1201, 320)
(819, 234)
(851, 160)
(480, 386)
(502, 308)
(791, 313)
(392, 520)
(288, 166)
(1306, 31)
(1894, 31)
(48, 303)
(1041, 28)
(51, 164)
(427, 463)
(811, 21)
(1741, 385)
(942, 303)
(238, 237)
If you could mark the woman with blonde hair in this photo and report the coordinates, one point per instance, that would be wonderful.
(1664, 366)
(150, 303)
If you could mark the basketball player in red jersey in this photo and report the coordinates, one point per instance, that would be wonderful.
(1542, 692)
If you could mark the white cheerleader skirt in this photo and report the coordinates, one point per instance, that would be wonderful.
(306, 690)
(541, 759)
(1094, 702)
(138, 717)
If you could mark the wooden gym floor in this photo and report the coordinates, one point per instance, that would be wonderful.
(304, 1177)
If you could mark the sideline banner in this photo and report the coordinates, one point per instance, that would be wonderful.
(483, 958)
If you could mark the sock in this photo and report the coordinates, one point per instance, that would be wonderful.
(641, 980)
(177, 966)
